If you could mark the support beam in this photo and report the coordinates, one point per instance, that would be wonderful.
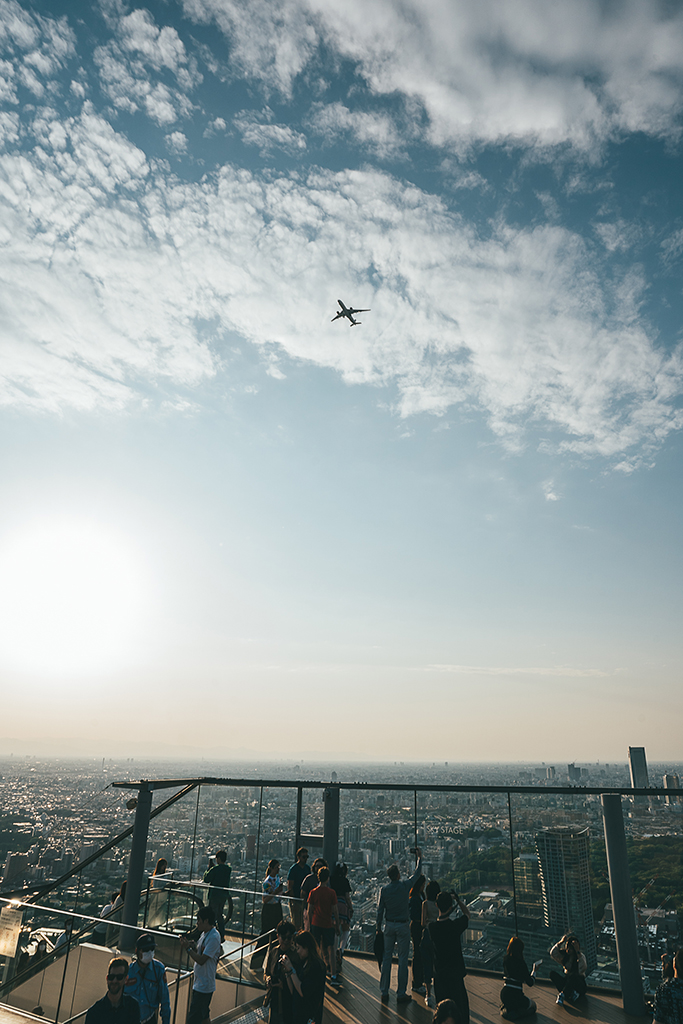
(331, 825)
(136, 868)
(622, 906)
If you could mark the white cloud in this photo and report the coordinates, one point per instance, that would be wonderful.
(108, 264)
(549, 492)
(218, 124)
(257, 129)
(133, 65)
(377, 132)
(521, 71)
(36, 48)
(618, 236)
(275, 43)
(176, 142)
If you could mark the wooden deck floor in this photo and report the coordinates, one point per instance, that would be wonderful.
(358, 1002)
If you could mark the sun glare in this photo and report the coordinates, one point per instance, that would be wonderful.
(72, 595)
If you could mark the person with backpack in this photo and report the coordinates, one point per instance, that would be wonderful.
(147, 983)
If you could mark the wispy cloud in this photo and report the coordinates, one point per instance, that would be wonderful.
(553, 671)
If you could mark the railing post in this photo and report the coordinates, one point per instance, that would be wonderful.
(622, 906)
(331, 825)
(136, 868)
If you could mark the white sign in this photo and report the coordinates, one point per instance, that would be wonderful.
(10, 930)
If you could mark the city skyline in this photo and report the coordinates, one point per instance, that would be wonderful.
(460, 520)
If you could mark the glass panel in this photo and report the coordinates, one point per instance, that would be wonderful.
(278, 834)
(561, 879)
(377, 828)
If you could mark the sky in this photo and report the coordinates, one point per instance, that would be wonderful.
(229, 523)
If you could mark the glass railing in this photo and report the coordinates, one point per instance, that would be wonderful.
(56, 971)
(529, 861)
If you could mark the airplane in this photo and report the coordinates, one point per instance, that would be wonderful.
(348, 312)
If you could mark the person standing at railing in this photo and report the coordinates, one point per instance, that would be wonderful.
(323, 914)
(295, 877)
(271, 913)
(417, 898)
(394, 905)
(147, 983)
(161, 874)
(205, 953)
(449, 963)
(115, 1007)
(430, 912)
(218, 876)
(309, 883)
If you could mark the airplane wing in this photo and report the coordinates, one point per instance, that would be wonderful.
(352, 311)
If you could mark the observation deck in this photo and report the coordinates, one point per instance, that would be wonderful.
(367, 825)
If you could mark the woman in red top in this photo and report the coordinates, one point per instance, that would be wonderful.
(323, 915)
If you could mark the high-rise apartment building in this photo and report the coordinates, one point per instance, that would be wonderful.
(637, 763)
(564, 856)
(673, 782)
(352, 834)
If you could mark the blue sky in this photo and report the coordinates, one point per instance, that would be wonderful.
(454, 531)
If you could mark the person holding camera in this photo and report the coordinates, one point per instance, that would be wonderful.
(449, 963)
(571, 984)
(394, 905)
(278, 995)
(205, 952)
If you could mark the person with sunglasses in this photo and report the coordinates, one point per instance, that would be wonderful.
(115, 1007)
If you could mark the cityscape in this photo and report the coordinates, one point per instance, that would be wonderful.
(57, 813)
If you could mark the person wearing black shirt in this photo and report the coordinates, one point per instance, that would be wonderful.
(516, 974)
(307, 984)
(449, 964)
(115, 1007)
(295, 877)
(417, 896)
(218, 876)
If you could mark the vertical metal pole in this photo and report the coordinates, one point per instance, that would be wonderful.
(177, 984)
(258, 851)
(68, 928)
(512, 864)
(136, 867)
(415, 816)
(299, 797)
(144, 918)
(194, 836)
(331, 825)
(78, 890)
(622, 905)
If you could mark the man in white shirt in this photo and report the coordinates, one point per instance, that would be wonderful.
(205, 953)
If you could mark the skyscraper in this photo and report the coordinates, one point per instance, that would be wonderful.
(673, 782)
(563, 855)
(637, 763)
